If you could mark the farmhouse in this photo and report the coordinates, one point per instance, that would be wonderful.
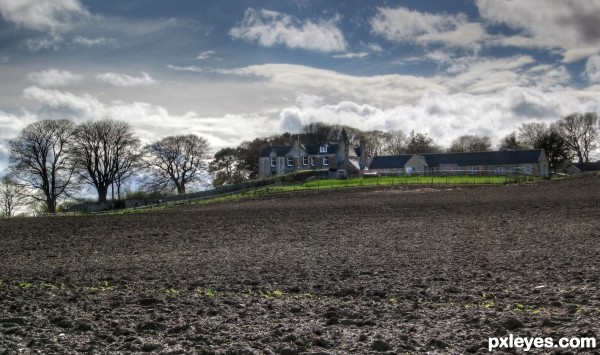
(530, 162)
(339, 158)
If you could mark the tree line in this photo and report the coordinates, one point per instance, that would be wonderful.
(52, 159)
(574, 136)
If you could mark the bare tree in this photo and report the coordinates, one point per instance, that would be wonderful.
(395, 142)
(374, 142)
(105, 151)
(12, 196)
(510, 141)
(178, 160)
(318, 132)
(581, 134)
(421, 143)
(470, 143)
(530, 133)
(40, 161)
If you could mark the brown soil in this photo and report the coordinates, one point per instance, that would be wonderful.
(400, 269)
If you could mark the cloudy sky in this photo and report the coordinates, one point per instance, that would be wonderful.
(233, 70)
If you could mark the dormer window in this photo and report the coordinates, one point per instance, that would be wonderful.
(273, 162)
(323, 149)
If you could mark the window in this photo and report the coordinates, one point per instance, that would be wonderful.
(501, 170)
(305, 160)
(273, 162)
(473, 169)
(323, 149)
(325, 160)
(290, 161)
(313, 161)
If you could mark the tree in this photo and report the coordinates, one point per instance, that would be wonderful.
(374, 142)
(530, 133)
(470, 143)
(106, 152)
(317, 133)
(40, 161)
(227, 167)
(421, 143)
(556, 148)
(248, 153)
(581, 134)
(177, 161)
(510, 141)
(395, 142)
(12, 196)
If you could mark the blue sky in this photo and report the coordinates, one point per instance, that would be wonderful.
(234, 70)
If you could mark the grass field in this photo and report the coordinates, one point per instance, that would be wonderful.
(420, 180)
(375, 181)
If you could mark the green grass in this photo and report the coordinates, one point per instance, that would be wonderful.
(334, 183)
(404, 180)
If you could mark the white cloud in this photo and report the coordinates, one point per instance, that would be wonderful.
(356, 55)
(404, 25)
(54, 78)
(93, 42)
(446, 116)
(148, 120)
(43, 15)
(476, 75)
(592, 69)
(37, 44)
(66, 103)
(270, 28)
(197, 69)
(124, 80)
(10, 126)
(569, 25)
(381, 90)
(206, 55)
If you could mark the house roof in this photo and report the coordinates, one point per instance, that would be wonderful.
(502, 157)
(390, 161)
(588, 166)
(310, 149)
(280, 151)
(315, 149)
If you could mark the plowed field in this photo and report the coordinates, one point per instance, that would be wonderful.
(357, 270)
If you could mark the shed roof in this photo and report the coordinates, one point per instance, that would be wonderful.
(588, 166)
(502, 157)
(390, 161)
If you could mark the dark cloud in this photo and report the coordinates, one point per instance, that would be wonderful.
(586, 24)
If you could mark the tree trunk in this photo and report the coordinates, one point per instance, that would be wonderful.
(51, 204)
(181, 189)
(102, 192)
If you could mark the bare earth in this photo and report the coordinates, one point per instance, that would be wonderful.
(399, 270)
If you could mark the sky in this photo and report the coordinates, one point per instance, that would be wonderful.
(233, 70)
